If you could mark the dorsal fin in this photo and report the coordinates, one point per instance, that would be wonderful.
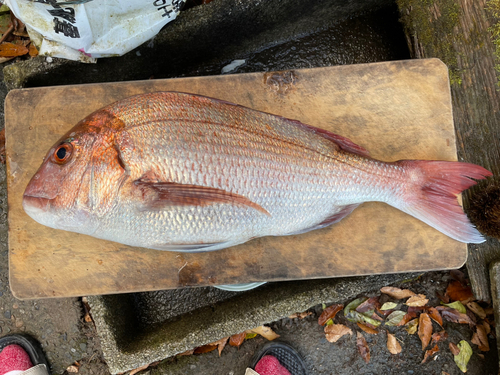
(344, 143)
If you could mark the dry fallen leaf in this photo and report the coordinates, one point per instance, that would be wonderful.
(395, 318)
(135, 371)
(221, 344)
(454, 316)
(434, 314)
(369, 305)
(329, 313)
(363, 347)
(429, 353)
(388, 306)
(424, 329)
(439, 336)
(476, 309)
(12, 50)
(72, 369)
(458, 292)
(334, 332)
(265, 332)
(487, 327)
(462, 358)
(205, 349)
(187, 352)
(457, 305)
(407, 318)
(237, 340)
(367, 329)
(417, 301)
(393, 344)
(454, 349)
(480, 338)
(396, 292)
(411, 326)
(33, 51)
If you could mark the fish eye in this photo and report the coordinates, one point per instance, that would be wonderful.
(63, 152)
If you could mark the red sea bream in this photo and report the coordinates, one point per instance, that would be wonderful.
(175, 171)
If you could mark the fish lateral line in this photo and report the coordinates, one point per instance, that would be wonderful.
(161, 194)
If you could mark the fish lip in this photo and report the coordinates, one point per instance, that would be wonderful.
(32, 202)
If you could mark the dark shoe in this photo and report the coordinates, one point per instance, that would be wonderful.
(32, 348)
(286, 355)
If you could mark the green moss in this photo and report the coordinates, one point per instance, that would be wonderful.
(493, 8)
(430, 25)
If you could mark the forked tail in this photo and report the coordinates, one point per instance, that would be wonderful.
(432, 195)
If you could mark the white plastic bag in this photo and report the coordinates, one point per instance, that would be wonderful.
(95, 28)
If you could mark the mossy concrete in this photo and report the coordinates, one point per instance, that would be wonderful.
(127, 344)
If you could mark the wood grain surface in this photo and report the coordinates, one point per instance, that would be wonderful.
(397, 110)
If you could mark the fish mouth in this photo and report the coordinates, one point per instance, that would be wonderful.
(33, 204)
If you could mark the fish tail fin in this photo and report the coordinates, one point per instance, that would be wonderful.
(432, 196)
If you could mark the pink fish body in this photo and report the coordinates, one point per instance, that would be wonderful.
(174, 171)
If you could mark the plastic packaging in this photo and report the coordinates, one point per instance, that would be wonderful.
(86, 30)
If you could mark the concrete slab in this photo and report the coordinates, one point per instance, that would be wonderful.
(128, 344)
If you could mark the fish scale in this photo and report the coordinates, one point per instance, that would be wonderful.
(174, 171)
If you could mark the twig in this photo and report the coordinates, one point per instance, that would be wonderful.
(7, 33)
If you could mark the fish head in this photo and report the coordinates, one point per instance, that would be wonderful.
(65, 193)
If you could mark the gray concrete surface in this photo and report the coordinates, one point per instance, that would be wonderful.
(128, 344)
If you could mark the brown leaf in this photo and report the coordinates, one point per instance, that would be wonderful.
(411, 326)
(265, 332)
(417, 301)
(487, 327)
(439, 336)
(393, 344)
(409, 316)
(329, 313)
(445, 298)
(454, 349)
(33, 51)
(334, 332)
(480, 338)
(489, 311)
(424, 329)
(135, 371)
(187, 352)
(221, 344)
(454, 316)
(458, 292)
(363, 347)
(480, 355)
(429, 353)
(434, 314)
(205, 349)
(370, 304)
(367, 329)
(476, 309)
(396, 292)
(12, 50)
(237, 340)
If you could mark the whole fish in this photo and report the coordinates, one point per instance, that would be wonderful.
(176, 171)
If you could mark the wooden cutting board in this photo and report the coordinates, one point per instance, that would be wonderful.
(396, 110)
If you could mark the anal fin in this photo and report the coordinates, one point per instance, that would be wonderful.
(335, 218)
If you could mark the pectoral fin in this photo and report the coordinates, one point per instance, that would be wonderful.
(162, 194)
